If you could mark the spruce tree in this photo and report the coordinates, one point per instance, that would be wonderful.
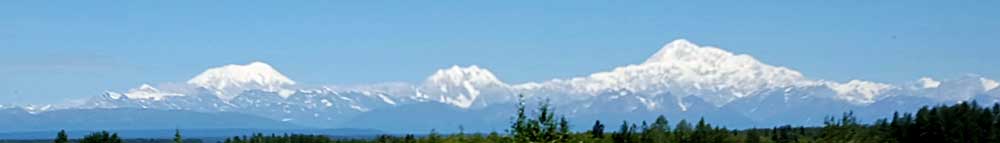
(461, 133)
(659, 130)
(519, 129)
(547, 125)
(433, 136)
(682, 131)
(564, 132)
(114, 138)
(177, 136)
(101, 137)
(61, 137)
(598, 130)
(624, 133)
(701, 131)
(645, 136)
(753, 136)
(409, 138)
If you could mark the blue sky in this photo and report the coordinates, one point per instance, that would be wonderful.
(53, 52)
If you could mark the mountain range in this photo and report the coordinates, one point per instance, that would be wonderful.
(682, 80)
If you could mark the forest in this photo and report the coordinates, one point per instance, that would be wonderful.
(966, 122)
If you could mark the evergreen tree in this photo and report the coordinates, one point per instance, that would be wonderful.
(701, 131)
(433, 136)
(624, 134)
(753, 136)
(114, 138)
(410, 138)
(495, 137)
(61, 137)
(661, 124)
(784, 134)
(658, 131)
(547, 123)
(564, 131)
(682, 132)
(645, 136)
(543, 128)
(461, 133)
(842, 130)
(177, 136)
(598, 130)
(520, 129)
(101, 137)
(995, 130)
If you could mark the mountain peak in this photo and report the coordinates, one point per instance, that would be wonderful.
(144, 91)
(927, 82)
(684, 50)
(700, 60)
(147, 87)
(460, 86)
(232, 79)
(457, 75)
(859, 91)
(684, 68)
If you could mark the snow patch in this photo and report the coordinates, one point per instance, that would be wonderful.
(326, 102)
(929, 83)
(113, 95)
(359, 108)
(386, 99)
(858, 91)
(35, 109)
(680, 103)
(989, 84)
(650, 104)
(285, 92)
(145, 91)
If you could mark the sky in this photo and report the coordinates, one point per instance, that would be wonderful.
(55, 52)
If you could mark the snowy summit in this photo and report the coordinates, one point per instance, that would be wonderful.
(461, 86)
(229, 80)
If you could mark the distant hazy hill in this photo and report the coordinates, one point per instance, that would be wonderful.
(16, 120)
(206, 134)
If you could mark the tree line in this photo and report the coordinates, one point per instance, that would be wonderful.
(966, 122)
(960, 123)
(111, 137)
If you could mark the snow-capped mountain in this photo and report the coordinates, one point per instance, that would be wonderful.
(683, 68)
(860, 92)
(145, 91)
(464, 86)
(681, 80)
(229, 80)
